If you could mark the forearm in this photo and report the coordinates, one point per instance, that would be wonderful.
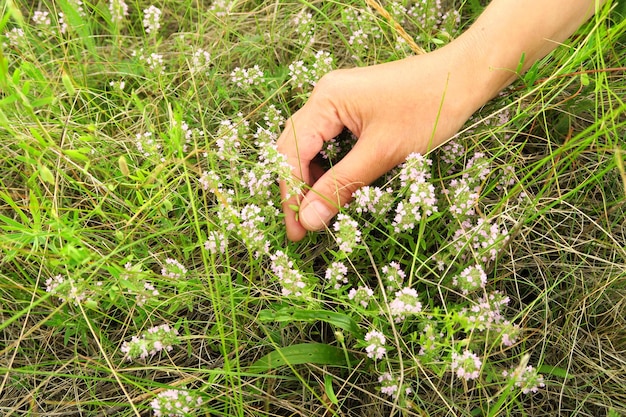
(510, 29)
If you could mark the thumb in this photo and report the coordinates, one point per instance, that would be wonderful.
(360, 167)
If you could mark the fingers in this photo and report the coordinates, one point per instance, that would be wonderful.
(366, 162)
(299, 150)
(301, 140)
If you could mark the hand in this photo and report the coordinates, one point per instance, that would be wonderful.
(411, 105)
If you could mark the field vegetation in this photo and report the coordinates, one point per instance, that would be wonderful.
(144, 267)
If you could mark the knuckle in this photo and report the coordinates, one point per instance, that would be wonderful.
(330, 81)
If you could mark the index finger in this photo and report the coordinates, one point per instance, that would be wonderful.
(300, 144)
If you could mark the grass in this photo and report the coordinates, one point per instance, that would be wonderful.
(83, 197)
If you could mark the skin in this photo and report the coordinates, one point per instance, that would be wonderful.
(414, 104)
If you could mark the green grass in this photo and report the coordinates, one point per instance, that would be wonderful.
(79, 199)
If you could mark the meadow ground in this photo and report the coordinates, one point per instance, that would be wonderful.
(144, 266)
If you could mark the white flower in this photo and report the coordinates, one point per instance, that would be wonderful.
(376, 348)
(470, 279)
(175, 403)
(153, 341)
(336, 275)
(405, 304)
(467, 366)
(173, 269)
(348, 234)
(118, 9)
(361, 295)
(151, 19)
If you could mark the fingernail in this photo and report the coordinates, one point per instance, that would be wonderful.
(315, 215)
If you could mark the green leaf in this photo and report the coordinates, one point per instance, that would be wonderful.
(46, 175)
(76, 154)
(584, 79)
(43, 101)
(554, 371)
(68, 84)
(339, 320)
(328, 389)
(314, 353)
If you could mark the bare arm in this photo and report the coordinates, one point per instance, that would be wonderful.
(414, 104)
(508, 29)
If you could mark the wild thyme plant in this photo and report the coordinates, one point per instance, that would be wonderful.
(143, 238)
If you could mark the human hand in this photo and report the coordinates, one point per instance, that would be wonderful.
(394, 109)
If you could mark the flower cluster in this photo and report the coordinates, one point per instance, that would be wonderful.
(301, 75)
(186, 133)
(175, 403)
(419, 193)
(415, 169)
(432, 15)
(347, 233)
(222, 8)
(470, 279)
(143, 290)
(78, 6)
(15, 37)
(331, 149)
(482, 238)
(402, 45)
(477, 168)
(67, 289)
(374, 200)
(153, 341)
(42, 21)
(361, 295)
(509, 332)
(274, 163)
(147, 145)
(376, 344)
(117, 85)
(63, 27)
(463, 199)
(452, 151)
(152, 19)
(210, 181)
(228, 139)
(252, 227)
(428, 339)
(405, 304)
(525, 378)
(216, 242)
(247, 77)
(397, 11)
(41, 18)
(173, 269)
(393, 276)
(507, 178)
(149, 292)
(154, 61)
(336, 275)
(258, 180)
(304, 24)
(358, 42)
(390, 385)
(118, 9)
(361, 26)
(467, 365)
(487, 312)
(200, 61)
(291, 280)
(273, 119)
